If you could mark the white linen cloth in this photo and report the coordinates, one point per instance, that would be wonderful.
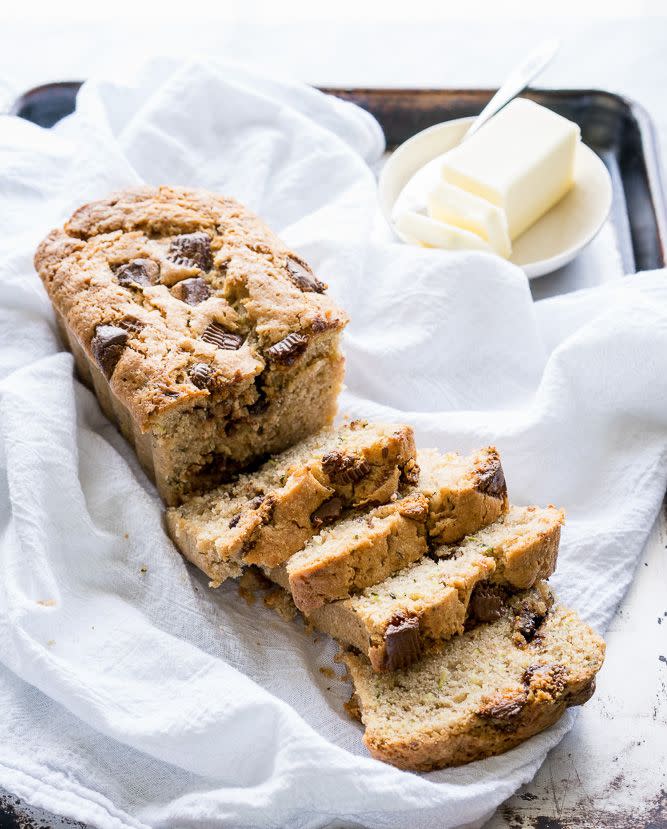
(144, 699)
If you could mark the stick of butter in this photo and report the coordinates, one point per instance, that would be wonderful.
(434, 234)
(453, 205)
(521, 161)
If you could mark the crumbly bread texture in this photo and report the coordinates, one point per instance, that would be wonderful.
(266, 516)
(480, 693)
(394, 621)
(357, 552)
(464, 492)
(205, 338)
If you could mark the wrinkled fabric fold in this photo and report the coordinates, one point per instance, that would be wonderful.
(134, 695)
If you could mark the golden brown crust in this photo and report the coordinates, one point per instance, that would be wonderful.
(251, 292)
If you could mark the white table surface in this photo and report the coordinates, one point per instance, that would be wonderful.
(611, 770)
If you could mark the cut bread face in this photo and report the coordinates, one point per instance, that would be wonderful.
(393, 621)
(461, 493)
(480, 693)
(464, 492)
(266, 516)
(357, 552)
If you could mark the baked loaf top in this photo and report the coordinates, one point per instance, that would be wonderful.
(482, 692)
(178, 294)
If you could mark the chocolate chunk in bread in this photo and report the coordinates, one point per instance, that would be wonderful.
(303, 277)
(220, 337)
(192, 250)
(346, 469)
(486, 603)
(491, 479)
(138, 272)
(287, 351)
(201, 375)
(193, 291)
(107, 346)
(527, 622)
(503, 709)
(328, 512)
(402, 643)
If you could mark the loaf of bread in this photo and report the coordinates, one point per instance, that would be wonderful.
(205, 338)
(480, 693)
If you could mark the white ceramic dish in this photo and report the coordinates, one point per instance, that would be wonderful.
(550, 243)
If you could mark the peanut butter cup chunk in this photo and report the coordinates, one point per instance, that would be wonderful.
(192, 250)
(201, 375)
(504, 708)
(192, 291)
(303, 277)
(206, 282)
(138, 273)
(486, 603)
(328, 512)
(288, 350)
(342, 468)
(403, 645)
(220, 337)
(107, 346)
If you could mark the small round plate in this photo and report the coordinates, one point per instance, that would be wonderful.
(553, 241)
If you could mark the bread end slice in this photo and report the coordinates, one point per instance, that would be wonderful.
(481, 693)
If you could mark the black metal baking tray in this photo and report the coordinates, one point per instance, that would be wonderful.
(618, 129)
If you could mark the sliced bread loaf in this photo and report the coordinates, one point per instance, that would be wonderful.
(393, 621)
(482, 692)
(266, 516)
(461, 494)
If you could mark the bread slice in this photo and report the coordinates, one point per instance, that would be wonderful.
(480, 693)
(464, 492)
(347, 558)
(393, 621)
(358, 551)
(266, 516)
